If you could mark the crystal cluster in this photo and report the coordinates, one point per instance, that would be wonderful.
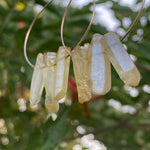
(92, 67)
(51, 71)
(92, 70)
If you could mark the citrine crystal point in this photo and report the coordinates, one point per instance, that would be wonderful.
(100, 69)
(34, 101)
(62, 73)
(52, 106)
(51, 60)
(131, 78)
(49, 80)
(36, 88)
(49, 73)
(84, 97)
(81, 70)
(120, 59)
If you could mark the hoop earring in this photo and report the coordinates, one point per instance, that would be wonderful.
(87, 30)
(86, 56)
(50, 71)
(83, 65)
(119, 57)
(80, 57)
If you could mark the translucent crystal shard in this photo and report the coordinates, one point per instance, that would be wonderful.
(52, 106)
(62, 72)
(100, 71)
(49, 74)
(120, 59)
(49, 81)
(80, 57)
(37, 81)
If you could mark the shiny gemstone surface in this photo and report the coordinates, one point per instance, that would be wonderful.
(120, 59)
(80, 57)
(100, 69)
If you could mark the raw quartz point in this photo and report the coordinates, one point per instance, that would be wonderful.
(37, 81)
(52, 106)
(49, 81)
(100, 69)
(80, 57)
(120, 59)
(62, 72)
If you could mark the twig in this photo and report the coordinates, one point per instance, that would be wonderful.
(122, 124)
(143, 67)
(96, 131)
(127, 126)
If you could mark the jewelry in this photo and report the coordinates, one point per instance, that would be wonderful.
(50, 72)
(91, 64)
(101, 51)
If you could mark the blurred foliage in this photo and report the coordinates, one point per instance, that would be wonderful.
(26, 128)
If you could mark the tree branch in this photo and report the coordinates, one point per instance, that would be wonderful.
(95, 132)
(143, 67)
(122, 124)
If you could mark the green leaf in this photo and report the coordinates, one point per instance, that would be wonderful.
(50, 134)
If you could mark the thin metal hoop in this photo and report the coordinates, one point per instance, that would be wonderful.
(86, 32)
(62, 26)
(134, 22)
(29, 31)
(129, 30)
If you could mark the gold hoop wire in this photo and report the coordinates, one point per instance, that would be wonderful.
(34, 20)
(86, 32)
(29, 31)
(62, 26)
(134, 22)
(94, 5)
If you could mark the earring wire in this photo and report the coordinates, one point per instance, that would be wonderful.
(29, 31)
(86, 32)
(134, 22)
(129, 30)
(62, 26)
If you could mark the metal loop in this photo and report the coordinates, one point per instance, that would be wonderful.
(86, 32)
(29, 31)
(134, 22)
(129, 30)
(62, 26)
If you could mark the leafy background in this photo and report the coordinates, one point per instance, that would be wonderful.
(119, 120)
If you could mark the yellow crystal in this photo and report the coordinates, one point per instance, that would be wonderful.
(49, 82)
(49, 74)
(100, 70)
(80, 57)
(120, 59)
(37, 81)
(52, 106)
(62, 72)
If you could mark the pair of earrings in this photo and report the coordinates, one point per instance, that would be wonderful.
(92, 66)
(51, 71)
(92, 70)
